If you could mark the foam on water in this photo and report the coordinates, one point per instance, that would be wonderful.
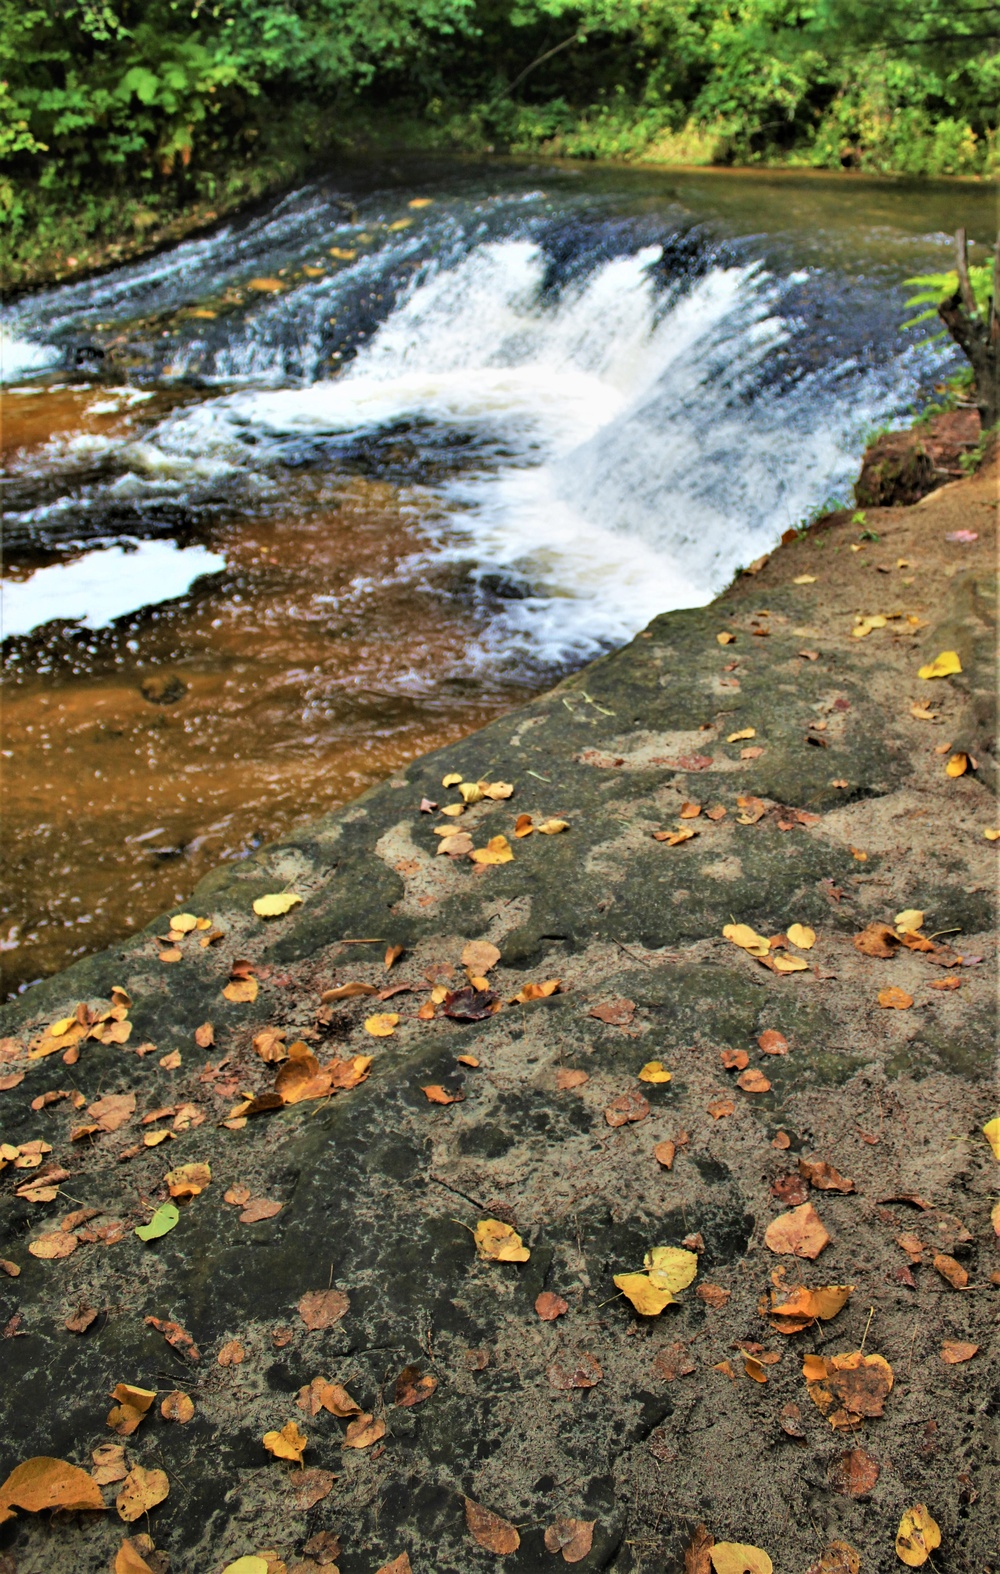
(100, 586)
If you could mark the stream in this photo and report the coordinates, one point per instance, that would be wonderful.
(347, 477)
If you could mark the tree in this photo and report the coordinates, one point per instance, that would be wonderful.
(967, 301)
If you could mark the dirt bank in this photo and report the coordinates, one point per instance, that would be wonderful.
(644, 1425)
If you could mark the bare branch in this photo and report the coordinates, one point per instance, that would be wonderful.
(962, 264)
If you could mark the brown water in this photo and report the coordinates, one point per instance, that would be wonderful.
(357, 622)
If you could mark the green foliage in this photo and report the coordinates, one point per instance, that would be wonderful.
(936, 288)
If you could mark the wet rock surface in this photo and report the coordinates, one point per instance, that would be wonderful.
(848, 818)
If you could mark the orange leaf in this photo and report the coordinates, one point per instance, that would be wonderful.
(799, 1233)
(42, 1483)
(894, 999)
(489, 1530)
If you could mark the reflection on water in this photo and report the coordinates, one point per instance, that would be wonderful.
(286, 538)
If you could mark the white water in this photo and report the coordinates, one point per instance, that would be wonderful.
(103, 585)
(646, 455)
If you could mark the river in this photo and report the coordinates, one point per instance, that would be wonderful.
(299, 499)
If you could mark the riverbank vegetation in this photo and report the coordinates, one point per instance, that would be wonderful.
(119, 118)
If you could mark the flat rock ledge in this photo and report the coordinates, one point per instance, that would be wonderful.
(646, 1426)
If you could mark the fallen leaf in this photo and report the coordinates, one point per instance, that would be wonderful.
(951, 1270)
(754, 1369)
(956, 1351)
(480, 955)
(751, 810)
(918, 1535)
(566, 1078)
(258, 1209)
(321, 1308)
(109, 1463)
(141, 1490)
(713, 1295)
(499, 1242)
(732, 1557)
(489, 1530)
(188, 1180)
(837, 1558)
(726, 1369)
(799, 1233)
(232, 1353)
(176, 1336)
(697, 1553)
(630, 1106)
(49, 1248)
(129, 1557)
(726, 638)
(133, 1403)
(772, 1042)
(247, 1565)
(674, 1361)
(745, 732)
(674, 838)
(289, 1443)
(172, 1061)
(619, 1013)
(237, 1195)
(824, 1177)
(323, 1395)
(864, 625)
(991, 1131)
(804, 579)
(382, 1025)
(802, 936)
(400, 1565)
(550, 827)
(943, 666)
(470, 1004)
(170, 954)
(794, 1307)
(112, 1111)
(720, 1108)
(177, 1406)
(716, 813)
(781, 1139)
(436, 1094)
(847, 1388)
(81, 1319)
(346, 992)
(276, 905)
(241, 991)
(572, 1537)
(958, 765)
(310, 1487)
(790, 1420)
(649, 1299)
(671, 1267)
(753, 1081)
(496, 851)
(853, 1473)
(747, 939)
(892, 998)
(549, 1306)
(690, 811)
(664, 1153)
(575, 1371)
(877, 940)
(413, 1387)
(363, 1431)
(734, 1059)
(41, 1483)
(654, 1071)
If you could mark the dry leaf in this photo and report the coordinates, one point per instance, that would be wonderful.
(958, 765)
(188, 1180)
(112, 1111)
(171, 1061)
(713, 1295)
(951, 1270)
(943, 666)
(133, 1403)
(572, 1537)
(323, 1395)
(499, 1242)
(81, 1319)
(734, 1059)
(237, 1195)
(799, 1233)
(241, 991)
(824, 1177)
(747, 939)
(363, 1431)
(853, 1473)
(321, 1308)
(109, 1464)
(42, 1483)
(400, 1565)
(177, 1406)
(918, 1536)
(382, 1025)
(654, 1071)
(893, 998)
(837, 1558)
(790, 1420)
(649, 1299)
(956, 1351)
(802, 936)
(847, 1388)
(489, 1530)
(276, 905)
(877, 940)
(480, 955)
(141, 1490)
(794, 1307)
(436, 1094)
(732, 1557)
(232, 1353)
(129, 1558)
(49, 1248)
(674, 1361)
(991, 1131)
(753, 1081)
(630, 1106)
(575, 1371)
(523, 825)
(260, 1208)
(664, 1153)
(413, 1387)
(176, 1336)
(496, 851)
(738, 737)
(551, 827)
(310, 1487)
(690, 811)
(346, 992)
(616, 1013)
(725, 637)
(270, 1045)
(567, 1077)
(289, 1443)
(549, 1306)
(720, 1108)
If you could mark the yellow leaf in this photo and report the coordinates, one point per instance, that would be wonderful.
(671, 1267)
(497, 790)
(654, 1071)
(783, 963)
(42, 1483)
(496, 851)
(452, 779)
(957, 765)
(62, 1026)
(241, 990)
(732, 1557)
(726, 638)
(500, 1242)
(804, 579)
(342, 253)
(400, 224)
(420, 202)
(453, 809)
(382, 1025)
(943, 666)
(910, 920)
(470, 792)
(745, 732)
(141, 1490)
(991, 1131)
(864, 626)
(747, 939)
(289, 1443)
(188, 1180)
(247, 1565)
(918, 1535)
(266, 286)
(276, 905)
(552, 827)
(648, 1298)
(991, 834)
(183, 923)
(802, 936)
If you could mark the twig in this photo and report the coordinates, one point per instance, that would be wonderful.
(962, 263)
(871, 1314)
(506, 91)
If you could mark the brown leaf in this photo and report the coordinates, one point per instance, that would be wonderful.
(51, 1247)
(955, 1351)
(270, 1045)
(81, 1319)
(260, 1208)
(790, 1188)
(697, 1553)
(713, 1295)
(824, 1177)
(616, 1013)
(877, 940)
(893, 998)
(413, 1387)
(800, 1233)
(321, 1308)
(188, 1180)
(232, 1353)
(946, 1266)
(846, 1388)
(853, 1473)
(489, 1530)
(479, 956)
(346, 992)
(204, 1036)
(580, 1371)
(177, 1406)
(436, 1094)
(753, 1081)
(772, 1042)
(790, 1420)
(542, 991)
(42, 1483)
(109, 1464)
(664, 1153)
(567, 1077)
(310, 1487)
(175, 1336)
(734, 1059)
(673, 1361)
(629, 1106)
(720, 1108)
(324, 1544)
(322, 1395)
(113, 1110)
(237, 1195)
(141, 1490)
(838, 1558)
(470, 1004)
(549, 1306)
(572, 1537)
(363, 1431)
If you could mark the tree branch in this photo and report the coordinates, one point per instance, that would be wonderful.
(504, 92)
(962, 264)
